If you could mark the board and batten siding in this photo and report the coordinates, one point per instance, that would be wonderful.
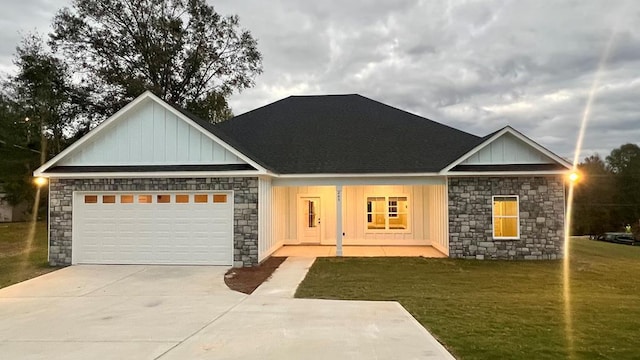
(437, 207)
(269, 238)
(426, 227)
(507, 149)
(279, 216)
(150, 135)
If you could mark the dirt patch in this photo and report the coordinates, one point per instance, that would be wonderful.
(246, 280)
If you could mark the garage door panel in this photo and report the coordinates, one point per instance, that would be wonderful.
(152, 233)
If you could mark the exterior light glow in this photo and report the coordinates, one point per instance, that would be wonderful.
(573, 177)
(40, 181)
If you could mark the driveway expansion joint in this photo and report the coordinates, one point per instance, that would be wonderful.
(202, 328)
(114, 281)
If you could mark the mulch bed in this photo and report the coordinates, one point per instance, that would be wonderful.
(247, 279)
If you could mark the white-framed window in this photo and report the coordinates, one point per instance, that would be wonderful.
(387, 213)
(506, 216)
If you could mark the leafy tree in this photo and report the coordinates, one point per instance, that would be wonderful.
(623, 158)
(10, 129)
(38, 107)
(624, 162)
(608, 197)
(16, 160)
(182, 50)
(43, 95)
(593, 197)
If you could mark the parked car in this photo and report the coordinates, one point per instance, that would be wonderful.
(619, 238)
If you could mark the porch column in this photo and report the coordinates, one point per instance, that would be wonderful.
(339, 220)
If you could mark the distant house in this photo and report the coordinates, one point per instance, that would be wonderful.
(10, 213)
(156, 185)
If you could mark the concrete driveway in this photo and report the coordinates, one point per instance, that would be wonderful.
(181, 312)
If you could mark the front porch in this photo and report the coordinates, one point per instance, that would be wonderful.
(353, 217)
(359, 250)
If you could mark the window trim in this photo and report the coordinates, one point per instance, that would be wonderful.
(493, 217)
(386, 214)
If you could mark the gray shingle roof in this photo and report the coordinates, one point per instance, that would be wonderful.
(343, 134)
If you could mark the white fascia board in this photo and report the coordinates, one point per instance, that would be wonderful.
(356, 175)
(507, 173)
(361, 180)
(39, 171)
(152, 174)
(517, 134)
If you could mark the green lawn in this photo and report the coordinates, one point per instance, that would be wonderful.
(20, 261)
(504, 309)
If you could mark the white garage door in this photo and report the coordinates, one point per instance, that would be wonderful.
(188, 228)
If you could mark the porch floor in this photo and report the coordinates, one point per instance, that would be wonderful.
(357, 250)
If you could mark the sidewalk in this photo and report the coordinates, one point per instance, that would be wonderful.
(285, 280)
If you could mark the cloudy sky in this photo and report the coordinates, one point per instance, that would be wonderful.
(474, 65)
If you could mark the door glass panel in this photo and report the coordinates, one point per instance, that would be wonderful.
(311, 213)
(182, 199)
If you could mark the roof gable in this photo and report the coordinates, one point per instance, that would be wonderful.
(507, 147)
(148, 131)
(345, 134)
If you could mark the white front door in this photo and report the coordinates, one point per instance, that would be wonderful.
(309, 220)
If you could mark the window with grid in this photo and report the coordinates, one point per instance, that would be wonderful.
(387, 213)
(506, 217)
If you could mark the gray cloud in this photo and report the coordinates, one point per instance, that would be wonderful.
(475, 65)
(19, 18)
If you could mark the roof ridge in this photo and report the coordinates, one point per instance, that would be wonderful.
(256, 109)
(325, 95)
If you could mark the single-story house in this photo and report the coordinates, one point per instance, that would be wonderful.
(154, 184)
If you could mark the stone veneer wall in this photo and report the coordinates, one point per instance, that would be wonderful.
(245, 216)
(542, 209)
